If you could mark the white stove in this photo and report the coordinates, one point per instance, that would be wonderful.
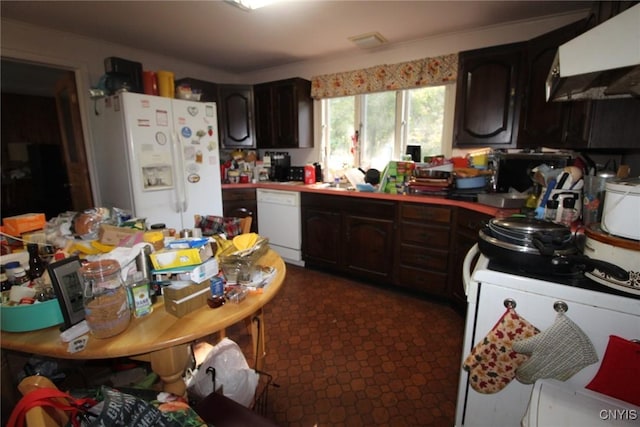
(599, 312)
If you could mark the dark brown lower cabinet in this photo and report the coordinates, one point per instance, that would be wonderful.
(348, 235)
(468, 223)
(423, 248)
(320, 236)
(415, 246)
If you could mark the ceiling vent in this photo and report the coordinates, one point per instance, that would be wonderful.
(369, 40)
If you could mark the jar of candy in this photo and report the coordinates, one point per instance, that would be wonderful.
(106, 305)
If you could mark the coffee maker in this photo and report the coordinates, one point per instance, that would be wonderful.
(280, 165)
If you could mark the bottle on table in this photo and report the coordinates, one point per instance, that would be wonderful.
(36, 264)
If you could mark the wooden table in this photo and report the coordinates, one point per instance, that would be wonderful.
(161, 338)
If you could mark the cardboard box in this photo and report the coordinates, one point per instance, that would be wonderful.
(112, 235)
(173, 258)
(183, 297)
(16, 225)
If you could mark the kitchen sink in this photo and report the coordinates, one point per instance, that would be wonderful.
(331, 186)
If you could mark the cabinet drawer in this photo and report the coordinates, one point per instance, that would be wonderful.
(430, 237)
(425, 213)
(239, 194)
(423, 258)
(471, 220)
(431, 282)
(355, 206)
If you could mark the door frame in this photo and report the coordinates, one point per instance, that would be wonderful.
(81, 72)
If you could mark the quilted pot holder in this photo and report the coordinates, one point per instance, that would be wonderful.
(492, 362)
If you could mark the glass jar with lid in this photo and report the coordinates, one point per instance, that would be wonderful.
(105, 298)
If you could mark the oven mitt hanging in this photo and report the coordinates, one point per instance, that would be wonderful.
(558, 352)
(492, 362)
(619, 372)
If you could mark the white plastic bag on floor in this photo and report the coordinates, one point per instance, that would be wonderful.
(238, 381)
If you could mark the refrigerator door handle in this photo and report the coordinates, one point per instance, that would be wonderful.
(181, 202)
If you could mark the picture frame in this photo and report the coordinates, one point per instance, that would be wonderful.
(67, 283)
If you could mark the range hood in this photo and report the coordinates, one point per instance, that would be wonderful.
(602, 63)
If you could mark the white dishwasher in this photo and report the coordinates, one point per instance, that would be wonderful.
(279, 220)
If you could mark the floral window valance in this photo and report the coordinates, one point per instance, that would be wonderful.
(405, 75)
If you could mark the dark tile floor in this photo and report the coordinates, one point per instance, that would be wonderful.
(346, 353)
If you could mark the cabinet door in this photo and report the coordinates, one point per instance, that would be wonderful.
(489, 96)
(236, 116)
(284, 114)
(321, 236)
(545, 123)
(293, 114)
(615, 124)
(285, 123)
(368, 246)
(264, 121)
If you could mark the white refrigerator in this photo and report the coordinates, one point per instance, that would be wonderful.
(158, 158)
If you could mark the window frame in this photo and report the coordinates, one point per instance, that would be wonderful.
(400, 127)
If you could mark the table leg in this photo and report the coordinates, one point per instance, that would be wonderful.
(170, 364)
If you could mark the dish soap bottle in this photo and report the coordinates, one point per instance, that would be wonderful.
(532, 200)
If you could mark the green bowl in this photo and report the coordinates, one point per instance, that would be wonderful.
(23, 318)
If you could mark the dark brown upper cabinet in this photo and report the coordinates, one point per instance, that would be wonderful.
(235, 112)
(489, 94)
(284, 114)
(550, 124)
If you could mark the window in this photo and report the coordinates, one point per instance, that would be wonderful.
(367, 131)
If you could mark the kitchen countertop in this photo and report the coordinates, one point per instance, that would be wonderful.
(324, 189)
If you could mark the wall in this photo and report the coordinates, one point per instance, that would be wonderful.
(85, 55)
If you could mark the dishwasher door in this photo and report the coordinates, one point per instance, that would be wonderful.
(279, 220)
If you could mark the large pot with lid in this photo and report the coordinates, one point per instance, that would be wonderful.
(536, 246)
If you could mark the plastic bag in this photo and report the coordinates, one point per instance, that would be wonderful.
(232, 373)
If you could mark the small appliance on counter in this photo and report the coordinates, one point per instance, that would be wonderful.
(621, 207)
(280, 164)
(296, 173)
(514, 170)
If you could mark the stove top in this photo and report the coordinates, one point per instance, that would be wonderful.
(575, 278)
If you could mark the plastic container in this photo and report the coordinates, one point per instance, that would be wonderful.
(479, 181)
(309, 174)
(155, 238)
(31, 317)
(105, 298)
(239, 268)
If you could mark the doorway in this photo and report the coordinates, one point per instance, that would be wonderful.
(44, 165)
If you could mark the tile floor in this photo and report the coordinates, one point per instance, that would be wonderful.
(346, 353)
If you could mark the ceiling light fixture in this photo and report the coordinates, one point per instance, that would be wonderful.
(249, 5)
(369, 40)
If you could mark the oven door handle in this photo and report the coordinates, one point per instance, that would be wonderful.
(466, 267)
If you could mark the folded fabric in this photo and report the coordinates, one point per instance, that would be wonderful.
(492, 362)
(212, 224)
(558, 352)
(619, 372)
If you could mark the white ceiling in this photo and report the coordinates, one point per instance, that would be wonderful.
(219, 35)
